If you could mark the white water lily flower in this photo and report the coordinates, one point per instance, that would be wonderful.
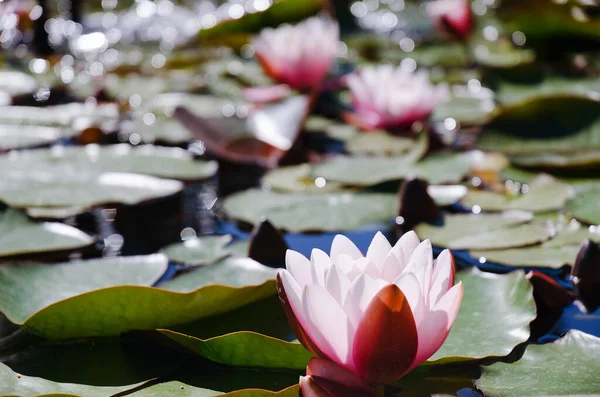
(387, 96)
(378, 316)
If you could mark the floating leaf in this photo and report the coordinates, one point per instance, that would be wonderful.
(585, 207)
(106, 297)
(246, 349)
(502, 54)
(92, 175)
(146, 159)
(378, 143)
(459, 225)
(17, 137)
(15, 82)
(19, 235)
(493, 318)
(567, 367)
(538, 256)
(509, 93)
(466, 107)
(203, 250)
(59, 115)
(17, 385)
(444, 167)
(573, 161)
(335, 211)
(545, 194)
(509, 237)
(568, 236)
(297, 178)
(545, 125)
(558, 19)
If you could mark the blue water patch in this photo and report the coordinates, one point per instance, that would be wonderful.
(574, 318)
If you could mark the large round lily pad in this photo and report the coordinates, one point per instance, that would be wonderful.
(545, 194)
(336, 211)
(203, 250)
(157, 161)
(20, 235)
(568, 367)
(444, 167)
(586, 207)
(378, 143)
(106, 297)
(93, 175)
(17, 137)
(459, 226)
(493, 318)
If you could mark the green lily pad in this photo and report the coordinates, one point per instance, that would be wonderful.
(378, 143)
(203, 250)
(15, 82)
(509, 237)
(545, 124)
(444, 167)
(585, 207)
(86, 298)
(545, 194)
(59, 115)
(509, 93)
(162, 130)
(580, 160)
(502, 54)
(335, 211)
(93, 175)
(457, 226)
(151, 160)
(18, 137)
(558, 19)
(567, 367)
(448, 55)
(297, 178)
(246, 349)
(280, 12)
(466, 107)
(569, 236)
(493, 318)
(200, 105)
(20, 235)
(17, 385)
(538, 256)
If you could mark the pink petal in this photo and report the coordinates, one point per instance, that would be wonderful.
(344, 262)
(328, 325)
(320, 262)
(337, 284)
(378, 250)
(435, 327)
(421, 263)
(299, 267)
(409, 284)
(297, 320)
(392, 267)
(442, 277)
(362, 291)
(266, 94)
(406, 245)
(342, 245)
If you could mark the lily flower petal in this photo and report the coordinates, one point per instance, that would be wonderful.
(380, 355)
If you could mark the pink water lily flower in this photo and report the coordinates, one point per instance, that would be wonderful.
(378, 316)
(386, 96)
(300, 55)
(452, 17)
